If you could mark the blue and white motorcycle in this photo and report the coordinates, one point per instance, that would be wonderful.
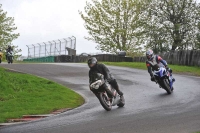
(163, 78)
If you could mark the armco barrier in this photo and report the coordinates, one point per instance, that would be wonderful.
(104, 57)
(41, 59)
(63, 58)
(67, 58)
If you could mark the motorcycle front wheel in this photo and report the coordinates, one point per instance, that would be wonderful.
(166, 86)
(10, 60)
(105, 102)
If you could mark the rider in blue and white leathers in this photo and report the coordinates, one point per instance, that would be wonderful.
(152, 60)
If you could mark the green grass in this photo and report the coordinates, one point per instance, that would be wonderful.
(188, 70)
(24, 94)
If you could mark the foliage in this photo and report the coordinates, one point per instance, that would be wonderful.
(7, 34)
(172, 24)
(113, 24)
(197, 44)
(132, 25)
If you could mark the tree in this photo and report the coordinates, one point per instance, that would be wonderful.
(172, 24)
(114, 24)
(7, 28)
(197, 44)
(16, 51)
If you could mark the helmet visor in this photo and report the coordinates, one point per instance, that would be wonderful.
(149, 56)
(91, 65)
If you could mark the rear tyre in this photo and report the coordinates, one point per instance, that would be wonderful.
(107, 105)
(166, 86)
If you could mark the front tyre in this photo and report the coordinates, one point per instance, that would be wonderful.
(10, 60)
(105, 102)
(166, 86)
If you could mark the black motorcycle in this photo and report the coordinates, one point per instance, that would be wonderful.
(106, 100)
(10, 57)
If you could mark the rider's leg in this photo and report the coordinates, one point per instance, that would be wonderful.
(110, 93)
(116, 87)
(170, 71)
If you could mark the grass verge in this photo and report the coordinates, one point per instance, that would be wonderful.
(24, 94)
(188, 70)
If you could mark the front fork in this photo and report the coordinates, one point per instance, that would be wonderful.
(169, 78)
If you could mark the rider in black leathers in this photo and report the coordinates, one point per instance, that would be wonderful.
(96, 67)
(9, 49)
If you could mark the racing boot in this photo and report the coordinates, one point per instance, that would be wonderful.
(120, 93)
(109, 92)
(170, 70)
(115, 85)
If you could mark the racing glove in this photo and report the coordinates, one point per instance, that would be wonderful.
(167, 68)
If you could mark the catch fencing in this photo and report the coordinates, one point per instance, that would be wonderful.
(65, 46)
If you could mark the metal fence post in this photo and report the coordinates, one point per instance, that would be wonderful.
(39, 49)
(65, 46)
(45, 48)
(74, 42)
(71, 42)
(28, 52)
(60, 46)
(34, 50)
(50, 47)
(55, 48)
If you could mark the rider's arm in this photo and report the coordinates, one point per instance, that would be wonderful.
(106, 72)
(159, 59)
(89, 76)
(149, 69)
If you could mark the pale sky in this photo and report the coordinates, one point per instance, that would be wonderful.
(46, 20)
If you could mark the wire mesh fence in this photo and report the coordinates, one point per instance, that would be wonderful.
(52, 48)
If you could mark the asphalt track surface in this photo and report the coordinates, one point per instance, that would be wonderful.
(148, 108)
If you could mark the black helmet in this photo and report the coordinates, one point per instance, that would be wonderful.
(149, 54)
(92, 62)
(9, 46)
